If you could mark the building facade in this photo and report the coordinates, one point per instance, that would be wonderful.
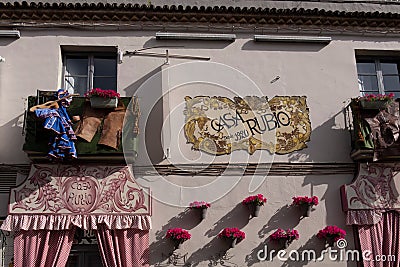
(218, 102)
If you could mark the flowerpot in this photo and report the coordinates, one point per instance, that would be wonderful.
(102, 102)
(330, 241)
(233, 242)
(306, 210)
(377, 104)
(177, 244)
(284, 243)
(254, 209)
(203, 213)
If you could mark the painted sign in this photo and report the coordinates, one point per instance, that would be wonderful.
(84, 189)
(219, 125)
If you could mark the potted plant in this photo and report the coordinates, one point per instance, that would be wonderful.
(331, 234)
(234, 235)
(178, 236)
(284, 238)
(305, 203)
(103, 98)
(201, 206)
(372, 101)
(254, 203)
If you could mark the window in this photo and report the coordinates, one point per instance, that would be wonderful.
(378, 76)
(84, 71)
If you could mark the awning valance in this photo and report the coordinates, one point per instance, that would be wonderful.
(374, 191)
(58, 197)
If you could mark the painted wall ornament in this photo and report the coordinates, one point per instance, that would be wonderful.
(218, 125)
(66, 189)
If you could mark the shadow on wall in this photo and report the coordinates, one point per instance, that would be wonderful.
(185, 220)
(12, 141)
(268, 250)
(279, 46)
(286, 217)
(152, 108)
(213, 252)
(234, 218)
(324, 140)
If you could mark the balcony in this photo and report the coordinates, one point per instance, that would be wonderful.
(37, 138)
(375, 132)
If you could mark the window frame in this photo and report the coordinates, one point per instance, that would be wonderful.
(378, 61)
(90, 71)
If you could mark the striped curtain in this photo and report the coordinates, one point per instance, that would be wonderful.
(383, 240)
(123, 248)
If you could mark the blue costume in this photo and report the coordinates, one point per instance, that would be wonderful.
(61, 143)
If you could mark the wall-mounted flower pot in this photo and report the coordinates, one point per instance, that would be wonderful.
(177, 244)
(376, 104)
(233, 242)
(254, 209)
(284, 243)
(330, 241)
(203, 213)
(306, 209)
(102, 102)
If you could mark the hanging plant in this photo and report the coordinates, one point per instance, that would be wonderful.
(254, 203)
(233, 235)
(305, 203)
(178, 236)
(331, 234)
(202, 206)
(284, 238)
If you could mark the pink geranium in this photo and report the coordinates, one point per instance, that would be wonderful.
(305, 200)
(178, 234)
(331, 231)
(102, 93)
(373, 97)
(232, 233)
(199, 205)
(290, 234)
(258, 200)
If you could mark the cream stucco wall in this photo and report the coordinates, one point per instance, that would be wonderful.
(326, 74)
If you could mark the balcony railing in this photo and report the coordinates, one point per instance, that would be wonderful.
(37, 138)
(375, 132)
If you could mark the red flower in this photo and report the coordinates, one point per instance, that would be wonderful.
(259, 200)
(372, 97)
(199, 205)
(232, 233)
(305, 200)
(178, 234)
(102, 93)
(290, 234)
(331, 231)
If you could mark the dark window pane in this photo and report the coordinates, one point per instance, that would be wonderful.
(366, 68)
(77, 66)
(78, 84)
(105, 83)
(105, 67)
(389, 68)
(368, 83)
(391, 83)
